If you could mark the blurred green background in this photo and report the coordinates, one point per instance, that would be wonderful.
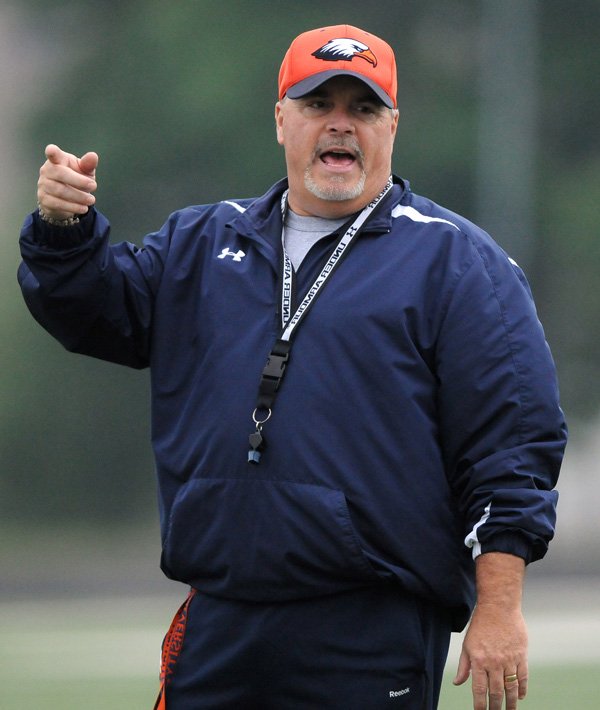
(500, 109)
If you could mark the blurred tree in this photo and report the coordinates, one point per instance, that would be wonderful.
(178, 101)
(568, 263)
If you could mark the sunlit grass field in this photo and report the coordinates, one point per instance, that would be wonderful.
(92, 655)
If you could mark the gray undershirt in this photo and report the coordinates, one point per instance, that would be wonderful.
(301, 233)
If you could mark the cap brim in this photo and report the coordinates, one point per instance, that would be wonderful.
(308, 85)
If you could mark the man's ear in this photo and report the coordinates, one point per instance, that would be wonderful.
(395, 121)
(279, 111)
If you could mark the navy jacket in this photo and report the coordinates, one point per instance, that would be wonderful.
(417, 426)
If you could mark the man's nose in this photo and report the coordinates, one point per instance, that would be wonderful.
(340, 120)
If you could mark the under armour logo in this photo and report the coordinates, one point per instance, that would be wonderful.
(237, 255)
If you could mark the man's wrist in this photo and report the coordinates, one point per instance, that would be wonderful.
(67, 222)
(500, 578)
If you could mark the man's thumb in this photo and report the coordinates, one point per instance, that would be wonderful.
(464, 668)
(88, 163)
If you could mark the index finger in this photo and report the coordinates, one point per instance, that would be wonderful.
(86, 165)
(55, 155)
(52, 173)
(64, 168)
(479, 689)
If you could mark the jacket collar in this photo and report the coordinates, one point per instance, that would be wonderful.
(262, 222)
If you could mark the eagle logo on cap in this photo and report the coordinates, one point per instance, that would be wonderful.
(344, 50)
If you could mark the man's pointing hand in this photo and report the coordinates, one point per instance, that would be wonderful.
(66, 183)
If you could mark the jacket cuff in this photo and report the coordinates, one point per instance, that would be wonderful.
(59, 238)
(512, 543)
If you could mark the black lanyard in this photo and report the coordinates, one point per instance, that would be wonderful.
(272, 374)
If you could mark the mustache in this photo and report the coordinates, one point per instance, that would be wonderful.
(348, 142)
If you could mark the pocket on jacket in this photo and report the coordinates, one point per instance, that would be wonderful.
(263, 540)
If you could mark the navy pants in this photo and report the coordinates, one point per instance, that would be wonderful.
(363, 649)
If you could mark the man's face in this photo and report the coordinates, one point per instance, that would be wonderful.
(338, 145)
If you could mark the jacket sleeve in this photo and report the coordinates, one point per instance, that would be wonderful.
(503, 432)
(94, 298)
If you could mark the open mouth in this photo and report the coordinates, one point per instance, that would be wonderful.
(337, 158)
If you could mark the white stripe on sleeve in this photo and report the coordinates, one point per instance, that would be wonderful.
(472, 540)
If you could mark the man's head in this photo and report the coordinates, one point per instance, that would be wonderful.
(336, 119)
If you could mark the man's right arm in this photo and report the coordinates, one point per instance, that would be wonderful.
(93, 297)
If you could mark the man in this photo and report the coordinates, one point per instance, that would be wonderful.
(332, 509)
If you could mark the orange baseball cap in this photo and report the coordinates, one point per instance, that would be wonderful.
(318, 55)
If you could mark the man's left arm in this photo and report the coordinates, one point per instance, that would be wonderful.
(503, 436)
(494, 650)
